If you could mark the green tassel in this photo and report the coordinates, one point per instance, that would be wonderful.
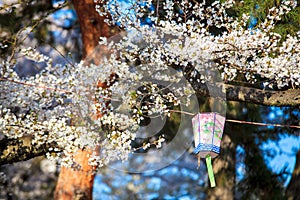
(210, 171)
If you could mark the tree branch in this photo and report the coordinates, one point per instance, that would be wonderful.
(21, 149)
(289, 97)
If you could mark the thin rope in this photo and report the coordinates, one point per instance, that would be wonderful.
(262, 124)
(244, 122)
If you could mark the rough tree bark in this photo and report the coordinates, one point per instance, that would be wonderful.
(290, 97)
(292, 190)
(72, 183)
(224, 170)
(92, 25)
(15, 150)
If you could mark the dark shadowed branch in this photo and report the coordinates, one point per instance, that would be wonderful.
(15, 150)
(263, 97)
(290, 97)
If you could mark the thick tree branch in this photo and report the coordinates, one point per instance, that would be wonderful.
(289, 97)
(238, 93)
(15, 150)
(263, 97)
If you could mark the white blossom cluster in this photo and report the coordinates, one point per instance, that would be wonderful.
(41, 107)
(64, 106)
(258, 53)
(183, 38)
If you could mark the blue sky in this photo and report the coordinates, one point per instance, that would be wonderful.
(285, 154)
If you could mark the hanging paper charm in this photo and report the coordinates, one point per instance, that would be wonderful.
(208, 131)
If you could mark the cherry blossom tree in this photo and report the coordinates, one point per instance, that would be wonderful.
(160, 58)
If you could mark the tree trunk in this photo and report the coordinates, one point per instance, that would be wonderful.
(74, 183)
(224, 170)
(292, 190)
(92, 25)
